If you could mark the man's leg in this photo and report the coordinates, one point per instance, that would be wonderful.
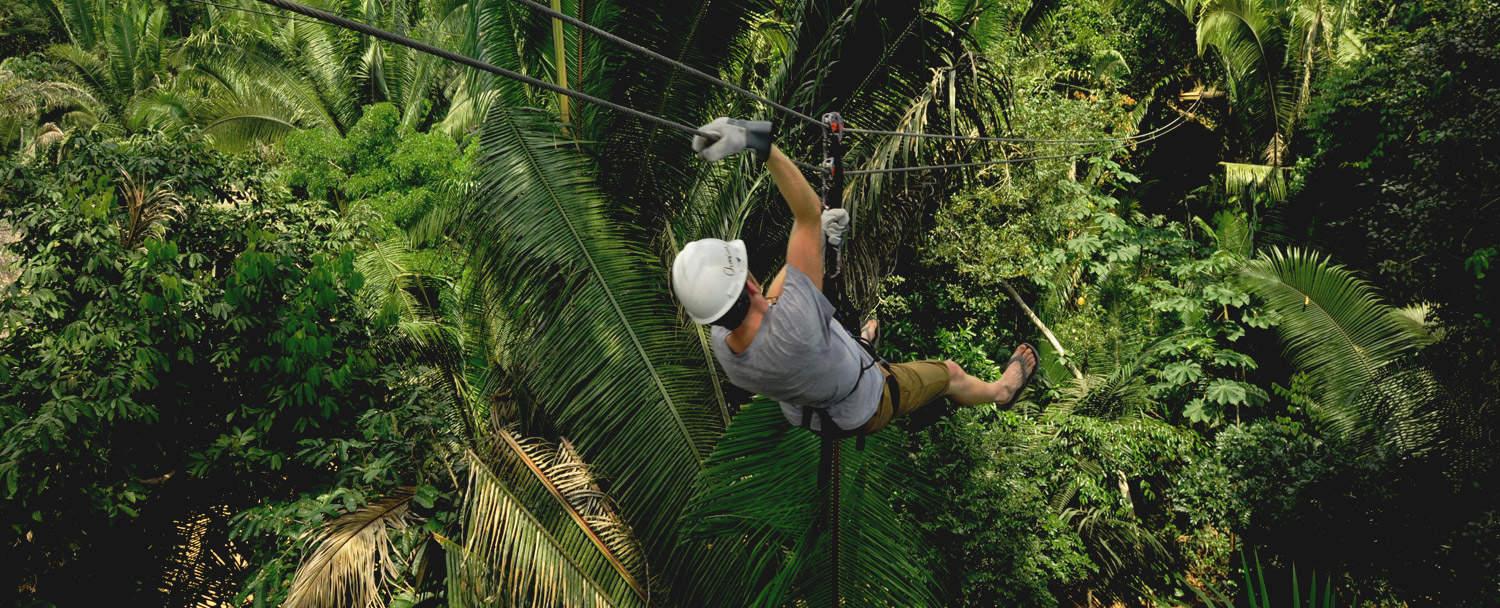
(968, 390)
(922, 382)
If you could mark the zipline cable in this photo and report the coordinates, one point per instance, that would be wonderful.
(393, 38)
(1015, 140)
(1138, 139)
(255, 12)
(983, 138)
(982, 163)
(546, 10)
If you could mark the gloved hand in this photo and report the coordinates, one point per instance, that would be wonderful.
(734, 135)
(835, 222)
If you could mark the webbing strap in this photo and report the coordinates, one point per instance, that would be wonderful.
(829, 470)
(828, 460)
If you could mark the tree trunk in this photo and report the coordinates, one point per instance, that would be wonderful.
(560, 54)
(1035, 320)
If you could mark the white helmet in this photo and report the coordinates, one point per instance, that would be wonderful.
(708, 275)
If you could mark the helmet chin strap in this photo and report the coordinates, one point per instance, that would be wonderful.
(736, 313)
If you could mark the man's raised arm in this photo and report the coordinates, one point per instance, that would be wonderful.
(804, 246)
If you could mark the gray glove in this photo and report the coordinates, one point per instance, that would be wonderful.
(835, 222)
(734, 136)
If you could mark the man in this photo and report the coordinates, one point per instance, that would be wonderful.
(783, 341)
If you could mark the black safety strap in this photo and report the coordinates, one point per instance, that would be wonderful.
(828, 460)
(833, 198)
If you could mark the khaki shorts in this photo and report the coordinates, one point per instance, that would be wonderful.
(919, 383)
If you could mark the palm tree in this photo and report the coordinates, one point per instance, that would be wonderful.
(119, 55)
(262, 76)
(1270, 51)
(30, 99)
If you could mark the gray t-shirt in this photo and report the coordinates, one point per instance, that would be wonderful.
(802, 357)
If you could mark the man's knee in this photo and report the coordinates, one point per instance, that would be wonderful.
(955, 373)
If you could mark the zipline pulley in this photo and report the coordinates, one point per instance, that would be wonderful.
(833, 180)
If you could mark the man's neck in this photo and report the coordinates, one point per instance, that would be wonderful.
(739, 338)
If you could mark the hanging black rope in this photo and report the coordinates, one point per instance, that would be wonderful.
(832, 466)
(830, 471)
(393, 38)
(546, 10)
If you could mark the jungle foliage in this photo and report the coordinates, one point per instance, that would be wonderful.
(289, 316)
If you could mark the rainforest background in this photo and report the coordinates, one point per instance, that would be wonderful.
(289, 316)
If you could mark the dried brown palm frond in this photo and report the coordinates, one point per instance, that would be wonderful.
(576, 482)
(512, 554)
(49, 135)
(568, 479)
(351, 558)
(147, 210)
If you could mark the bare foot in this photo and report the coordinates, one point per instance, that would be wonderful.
(1023, 363)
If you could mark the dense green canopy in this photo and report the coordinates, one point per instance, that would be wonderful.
(292, 316)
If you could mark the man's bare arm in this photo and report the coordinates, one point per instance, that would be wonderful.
(774, 291)
(804, 247)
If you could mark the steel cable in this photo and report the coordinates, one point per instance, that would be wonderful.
(393, 38)
(1014, 140)
(255, 12)
(546, 10)
(1141, 138)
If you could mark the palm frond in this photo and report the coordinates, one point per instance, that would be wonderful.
(753, 506)
(80, 19)
(388, 269)
(568, 484)
(90, 71)
(1036, 12)
(750, 539)
(1248, 36)
(31, 98)
(158, 108)
(253, 95)
(936, 80)
(351, 558)
(1117, 544)
(1119, 391)
(510, 557)
(1241, 179)
(1348, 342)
(648, 170)
(28, 99)
(596, 339)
